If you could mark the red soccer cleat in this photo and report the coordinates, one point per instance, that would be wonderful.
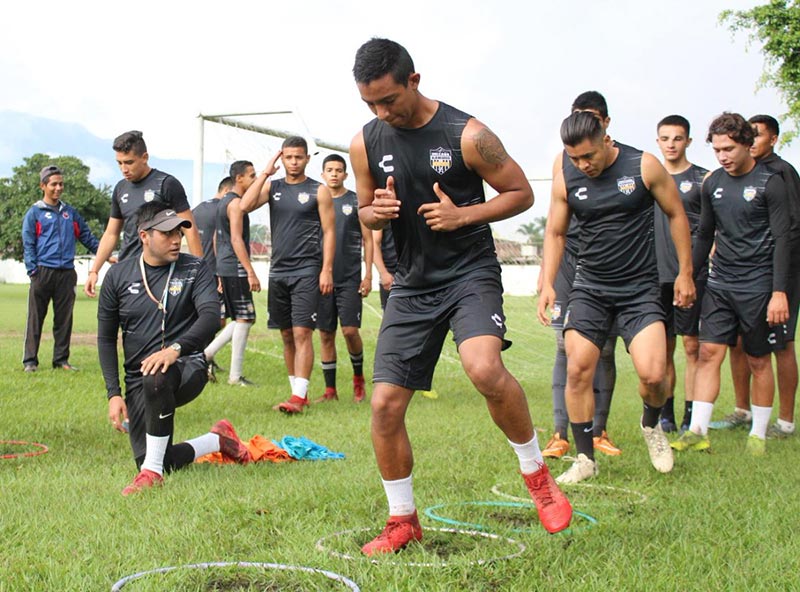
(295, 404)
(144, 480)
(555, 511)
(330, 394)
(229, 443)
(398, 533)
(358, 389)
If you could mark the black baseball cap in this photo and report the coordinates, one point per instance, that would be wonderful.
(165, 221)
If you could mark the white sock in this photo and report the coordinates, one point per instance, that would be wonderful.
(739, 411)
(219, 342)
(205, 444)
(400, 494)
(529, 455)
(300, 387)
(291, 383)
(701, 417)
(785, 426)
(761, 417)
(238, 345)
(154, 456)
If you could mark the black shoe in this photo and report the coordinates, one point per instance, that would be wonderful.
(65, 366)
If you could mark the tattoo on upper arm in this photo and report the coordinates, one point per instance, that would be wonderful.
(490, 147)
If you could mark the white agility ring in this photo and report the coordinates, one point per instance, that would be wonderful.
(243, 564)
(638, 496)
(473, 533)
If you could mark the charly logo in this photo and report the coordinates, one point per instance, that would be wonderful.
(347, 209)
(303, 197)
(133, 288)
(581, 193)
(441, 160)
(749, 193)
(277, 196)
(386, 168)
(48, 215)
(685, 186)
(498, 320)
(718, 193)
(149, 195)
(175, 286)
(626, 185)
(124, 198)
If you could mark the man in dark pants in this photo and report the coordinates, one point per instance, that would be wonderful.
(49, 231)
(166, 304)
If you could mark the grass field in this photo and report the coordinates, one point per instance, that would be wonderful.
(721, 521)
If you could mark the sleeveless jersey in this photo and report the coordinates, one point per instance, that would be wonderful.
(347, 262)
(205, 219)
(615, 213)
(418, 158)
(128, 197)
(689, 183)
(228, 264)
(296, 229)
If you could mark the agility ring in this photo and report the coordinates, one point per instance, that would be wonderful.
(637, 496)
(520, 548)
(350, 584)
(431, 513)
(41, 449)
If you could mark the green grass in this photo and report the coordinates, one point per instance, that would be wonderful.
(718, 521)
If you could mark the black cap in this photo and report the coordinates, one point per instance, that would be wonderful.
(49, 171)
(165, 221)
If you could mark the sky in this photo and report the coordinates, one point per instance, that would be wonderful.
(516, 66)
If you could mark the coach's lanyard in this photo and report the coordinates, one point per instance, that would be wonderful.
(161, 304)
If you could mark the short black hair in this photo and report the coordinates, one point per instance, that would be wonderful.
(239, 168)
(132, 141)
(767, 121)
(579, 126)
(226, 183)
(149, 210)
(678, 120)
(734, 126)
(591, 99)
(334, 158)
(379, 57)
(295, 142)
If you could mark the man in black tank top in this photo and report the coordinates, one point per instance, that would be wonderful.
(301, 266)
(745, 214)
(611, 189)
(420, 166)
(673, 139)
(141, 184)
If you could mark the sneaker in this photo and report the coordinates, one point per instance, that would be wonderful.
(295, 404)
(734, 420)
(65, 366)
(144, 480)
(667, 425)
(556, 447)
(431, 394)
(658, 447)
(603, 443)
(358, 389)
(555, 511)
(398, 533)
(756, 446)
(241, 381)
(691, 441)
(776, 432)
(683, 429)
(229, 443)
(329, 395)
(582, 468)
(30, 368)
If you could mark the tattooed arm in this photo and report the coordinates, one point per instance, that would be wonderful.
(483, 153)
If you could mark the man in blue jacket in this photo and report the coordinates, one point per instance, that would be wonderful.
(49, 231)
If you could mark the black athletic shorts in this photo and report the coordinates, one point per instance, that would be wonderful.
(222, 309)
(682, 321)
(414, 328)
(563, 287)
(194, 376)
(793, 296)
(726, 314)
(293, 302)
(343, 306)
(238, 299)
(592, 312)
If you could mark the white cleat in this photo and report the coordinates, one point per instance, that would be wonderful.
(582, 468)
(659, 448)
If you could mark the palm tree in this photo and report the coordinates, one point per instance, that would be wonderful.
(533, 231)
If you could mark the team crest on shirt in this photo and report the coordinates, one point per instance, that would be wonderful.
(441, 160)
(749, 193)
(347, 209)
(65, 215)
(626, 185)
(685, 186)
(303, 197)
(175, 286)
(149, 195)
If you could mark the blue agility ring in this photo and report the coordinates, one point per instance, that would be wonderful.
(244, 564)
(431, 513)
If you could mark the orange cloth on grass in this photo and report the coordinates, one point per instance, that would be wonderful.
(260, 448)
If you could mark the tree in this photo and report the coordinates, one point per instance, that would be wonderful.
(533, 231)
(777, 26)
(21, 191)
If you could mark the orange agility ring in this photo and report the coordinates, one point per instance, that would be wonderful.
(40, 449)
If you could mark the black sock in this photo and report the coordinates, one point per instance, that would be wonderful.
(329, 372)
(650, 415)
(358, 363)
(583, 433)
(562, 431)
(687, 413)
(668, 410)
